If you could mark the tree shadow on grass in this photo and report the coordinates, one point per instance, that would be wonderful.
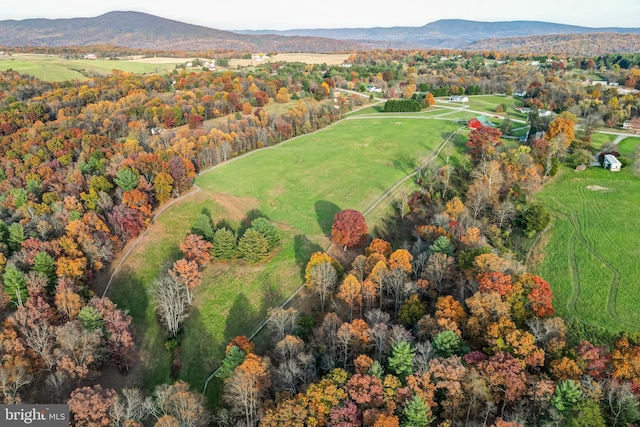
(245, 224)
(129, 293)
(200, 354)
(242, 318)
(224, 223)
(303, 248)
(325, 212)
(405, 162)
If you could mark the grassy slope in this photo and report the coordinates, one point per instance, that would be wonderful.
(294, 185)
(55, 68)
(591, 246)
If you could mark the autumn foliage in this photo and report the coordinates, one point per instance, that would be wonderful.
(349, 229)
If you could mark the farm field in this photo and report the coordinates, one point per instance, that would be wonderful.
(57, 68)
(591, 245)
(307, 58)
(299, 185)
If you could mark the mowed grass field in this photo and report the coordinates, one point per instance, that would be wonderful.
(591, 257)
(57, 68)
(299, 185)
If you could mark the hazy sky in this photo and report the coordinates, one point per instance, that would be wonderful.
(296, 14)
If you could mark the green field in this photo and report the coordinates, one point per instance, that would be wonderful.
(299, 185)
(592, 249)
(488, 103)
(56, 68)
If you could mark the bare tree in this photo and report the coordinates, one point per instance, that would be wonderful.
(13, 377)
(358, 267)
(504, 213)
(424, 353)
(394, 282)
(171, 302)
(324, 279)
(438, 269)
(478, 197)
(131, 405)
(292, 362)
(621, 402)
(32, 321)
(376, 316)
(282, 321)
(325, 340)
(344, 340)
(179, 402)
(589, 125)
(490, 171)
(78, 348)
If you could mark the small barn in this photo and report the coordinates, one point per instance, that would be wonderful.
(610, 162)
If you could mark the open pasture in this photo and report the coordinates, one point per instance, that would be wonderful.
(57, 68)
(306, 58)
(299, 185)
(592, 250)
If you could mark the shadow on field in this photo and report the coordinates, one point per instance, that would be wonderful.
(129, 292)
(245, 224)
(325, 212)
(242, 318)
(303, 248)
(200, 353)
(405, 163)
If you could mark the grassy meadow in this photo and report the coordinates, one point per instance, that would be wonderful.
(299, 185)
(592, 245)
(56, 68)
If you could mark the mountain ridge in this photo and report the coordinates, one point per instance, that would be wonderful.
(141, 30)
(449, 30)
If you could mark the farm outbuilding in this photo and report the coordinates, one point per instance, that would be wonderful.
(610, 162)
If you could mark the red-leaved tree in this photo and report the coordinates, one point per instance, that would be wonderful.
(349, 229)
(483, 142)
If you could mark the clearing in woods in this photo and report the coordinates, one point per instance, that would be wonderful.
(299, 185)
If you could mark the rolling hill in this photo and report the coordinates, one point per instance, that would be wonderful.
(144, 31)
(449, 33)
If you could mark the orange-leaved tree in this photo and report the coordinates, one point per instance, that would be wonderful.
(349, 229)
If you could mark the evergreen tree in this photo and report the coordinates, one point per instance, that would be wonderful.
(376, 369)
(447, 343)
(443, 245)
(16, 236)
(232, 360)
(90, 318)
(253, 246)
(401, 360)
(566, 395)
(268, 229)
(224, 244)
(203, 227)
(126, 179)
(45, 264)
(15, 284)
(416, 413)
